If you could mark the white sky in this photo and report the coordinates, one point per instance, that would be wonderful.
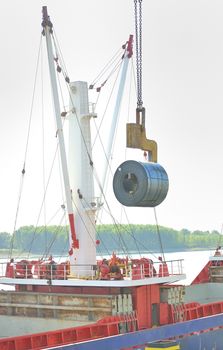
(182, 92)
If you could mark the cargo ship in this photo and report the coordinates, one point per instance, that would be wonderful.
(118, 302)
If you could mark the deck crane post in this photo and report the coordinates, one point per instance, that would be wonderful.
(135, 183)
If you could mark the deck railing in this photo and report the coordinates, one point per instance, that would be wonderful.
(133, 270)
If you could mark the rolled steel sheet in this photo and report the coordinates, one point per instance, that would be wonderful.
(138, 184)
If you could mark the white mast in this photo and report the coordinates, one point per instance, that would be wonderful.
(47, 31)
(81, 173)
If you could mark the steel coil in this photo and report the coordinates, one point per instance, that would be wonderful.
(137, 184)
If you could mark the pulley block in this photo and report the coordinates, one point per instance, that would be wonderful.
(138, 184)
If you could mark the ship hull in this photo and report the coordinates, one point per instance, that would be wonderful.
(205, 333)
(212, 340)
(201, 334)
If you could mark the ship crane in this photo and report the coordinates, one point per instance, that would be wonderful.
(138, 184)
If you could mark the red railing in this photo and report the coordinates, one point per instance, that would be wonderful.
(191, 311)
(135, 269)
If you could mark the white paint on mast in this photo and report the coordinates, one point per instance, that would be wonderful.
(81, 174)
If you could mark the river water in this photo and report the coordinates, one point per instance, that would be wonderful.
(193, 262)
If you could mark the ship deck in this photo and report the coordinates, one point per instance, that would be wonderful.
(127, 282)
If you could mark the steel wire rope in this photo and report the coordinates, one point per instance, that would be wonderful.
(35, 229)
(106, 107)
(61, 91)
(44, 195)
(65, 227)
(61, 181)
(118, 224)
(132, 75)
(63, 65)
(138, 33)
(157, 227)
(98, 128)
(46, 187)
(26, 150)
(48, 224)
(70, 95)
(105, 68)
(34, 235)
(65, 244)
(98, 135)
(159, 234)
(132, 233)
(138, 40)
(128, 113)
(43, 143)
(40, 229)
(53, 240)
(111, 73)
(58, 51)
(59, 161)
(110, 212)
(103, 115)
(104, 196)
(220, 238)
(140, 242)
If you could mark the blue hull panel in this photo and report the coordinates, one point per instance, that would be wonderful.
(212, 340)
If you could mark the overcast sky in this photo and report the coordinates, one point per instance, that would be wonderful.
(182, 92)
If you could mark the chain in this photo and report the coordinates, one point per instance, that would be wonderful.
(138, 34)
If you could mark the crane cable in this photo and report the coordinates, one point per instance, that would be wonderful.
(138, 39)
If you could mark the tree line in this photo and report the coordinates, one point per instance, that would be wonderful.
(119, 238)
